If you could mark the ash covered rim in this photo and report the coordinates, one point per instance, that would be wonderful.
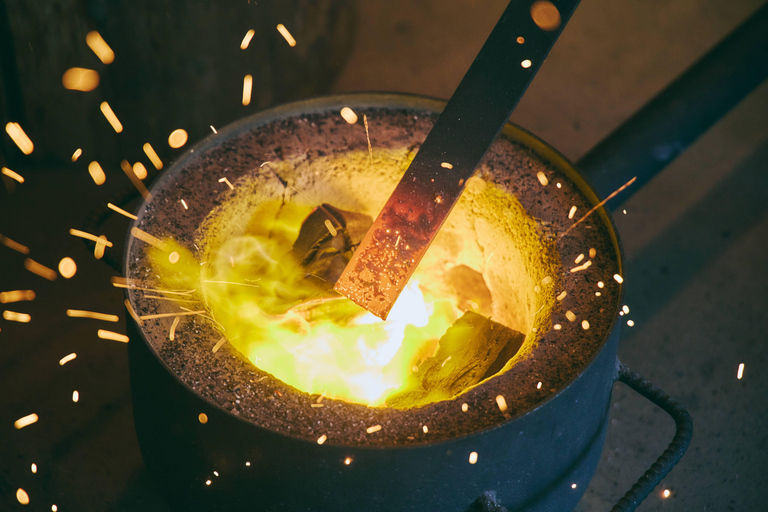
(564, 350)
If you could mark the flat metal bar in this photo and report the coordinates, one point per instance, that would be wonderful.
(470, 122)
(684, 110)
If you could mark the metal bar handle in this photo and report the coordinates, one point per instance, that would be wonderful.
(675, 450)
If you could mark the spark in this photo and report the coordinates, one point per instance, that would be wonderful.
(631, 323)
(247, 39)
(67, 267)
(22, 496)
(203, 418)
(166, 315)
(618, 278)
(247, 463)
(473, 458)
(54, 508)
(501, 402)
(97, 173)
(570, 316)
(585, 266)
(546, 280)
(139, 170)
(69, 357)
(18, 136)
(348, 461)
(373, 429)
(177, 138)
(562, 295)
(100, 47)
(740, 371)
(584, 325)
(316, 405)
(26, 421)
(464, 407)
(77, 154)
(158, 297)
(349, 115)
(23, 249)
(207, 482)
(666, 493)
(526, 63)
(184, 204)
(110, 335)
(538, 386)
(598, 294)
(322, 439)
(625, 309)
(80, 79)
(13, 316)
(592, 253)
(121, 211)
(600, 284)
(132, 312)
(225, 180)
(446, 165)
(121, 282)
(33, 467)
(75, 396)
(559, 185)
(601, 203)
(128, 170)
(39, 269)
(571, 212)
(579, 258)
(557, 327)
(287, 35)
(111, 117)
(219, 344)
(520, 40)
(213, 129)
(368, 137)
(425, 429)
(174, 257)
(331, 229)
(215, 473)
(88, 236)
(16, 296)
(174, 324)
(542, 178)
(13, 175)
(79, 313)
(146, 237)
(573, 486)
(247, 88)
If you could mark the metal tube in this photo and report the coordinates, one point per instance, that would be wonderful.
(684, 110)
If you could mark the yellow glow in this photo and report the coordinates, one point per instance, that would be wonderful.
(584, 325)
(348, 461)
(26, 421)
(425, 429)
(373, 429)
(64, 360)
(542, 178)
(77, 154)
(54, 508)
(13, 316)
(88, 236)
(538, 386)
(247, 39)
(67, 267)
(526, 63)
(349, 115)
(618, 278)
(446, 165)
(177, 138)
(473, 458)
(573, 486)
(139, 170)
(16, 296)
(464, 407)
(562, 295)
(247, 87)
(109, 114)
(110, 335)
(22, 496)
(97, 173)
(520, 40)
(202, 418)
(600, 284)
(19, 137)
(100, 47)
(152, 155)
(501, 402)
(287, 35)
(571, 212)
(13, 175)
(13, 245)
(557, 327)
(40, 270)
(592, 253)
(322, 439)
(101, 245)
(80, 79)
(630, 323)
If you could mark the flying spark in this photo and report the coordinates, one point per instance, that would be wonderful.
(501, 402)
(570, 316)
(147, 238)
(592, 253)
(247, 88)
(247, 39)
(562, 295)
(110, 335)
(121, 211)
(601, 203)
(630, 323)
(88, 236)
(323, 438)
(666, 493)
(579, 258)
(67, 267)
(202, 418)
(128, 170)
(22, 496)
(538, 386)
(64, 360)
(26, 421)
(13, 175)
(585, 325)
(75, 396)
(373, 429)
(585, 266)
(225, 180)
(464, 407)
(139, 170)
(33, 468)
(16, 296)
(526, 63)
(172, 332)
(184, 204)
(572, 212)
(349, 115)
(425, 429)
(331, 229)
(23, 249)
(20, 138)
(740, 371)
(177, 138)
(40, 270)
(97, 173)
(100, 47)
(473, 458)
(79, 313)
(287, 35)
(446, 165)
(219, 344)
(77, 154)
(542, 178)
(13, 316)
(348, 461)
(618, 278)
(80, 79)
(368, 137)
(109, 114)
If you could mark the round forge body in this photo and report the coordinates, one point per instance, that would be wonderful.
(220, 433)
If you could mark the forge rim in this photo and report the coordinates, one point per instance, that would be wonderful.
(391, 101)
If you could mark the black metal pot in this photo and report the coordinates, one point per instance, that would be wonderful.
(539, 458)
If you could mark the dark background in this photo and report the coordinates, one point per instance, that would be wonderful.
(695, 238)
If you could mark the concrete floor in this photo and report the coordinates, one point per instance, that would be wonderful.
(695, 241)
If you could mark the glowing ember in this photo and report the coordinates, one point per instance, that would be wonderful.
(502, 403)
(666, 493)
(573, 486)
(473, 458)
(584, 325)
(139, 170)
(20, 138)
(600, 284)
(618, 278)
(571, 212)
(203, 418)
(287, 35)
(526, 63)
(97, 173)
(579, 258)
(464, 407)
(88, 236)
(76, 154)
(740, 371)
(545, 15)
(25, 421)
(630, 323)
(174, 257)
(16, 296)
(373, 429)
(39, 269)
(177, 138)
(349, 115)
(152, 155)
(146, 237)
(557, 327)
(542, 178)
(520, 40)
(33, 467)
(538, 386)
(592, 253)
(184, 204)
(110, 335)
(13, 245)
(348, 461)
(247, 39)
(67, 267)
(570, 316)
(247, 87)
(100, 47)
(562, 295)
(80, 79)
(13, 316)
(446, 165)
(78, 313)
(121, 211)
(323, 438)
(64, 360)
(585, 266)
(13, 175)
(225, 180)
(132, 312)
(75, 396)
(109, 114)
(425, 429)
(22, 496)
(174, 324)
